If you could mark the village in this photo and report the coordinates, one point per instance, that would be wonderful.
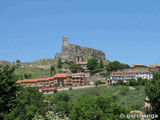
(83, 77)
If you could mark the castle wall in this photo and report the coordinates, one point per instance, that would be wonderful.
(71, 51)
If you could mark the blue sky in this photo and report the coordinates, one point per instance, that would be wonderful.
(126, 30)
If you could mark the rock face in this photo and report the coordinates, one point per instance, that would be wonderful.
(71, 51)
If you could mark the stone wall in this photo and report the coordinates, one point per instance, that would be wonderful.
(71, 51)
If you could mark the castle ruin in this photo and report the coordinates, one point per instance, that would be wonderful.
(71, 51)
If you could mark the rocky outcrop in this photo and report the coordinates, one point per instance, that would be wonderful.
(72, 51)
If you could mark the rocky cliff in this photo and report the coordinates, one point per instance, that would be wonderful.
(71, 51)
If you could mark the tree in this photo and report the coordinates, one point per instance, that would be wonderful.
(52, 69)
(8, 90)
(29, 103)
(86, 109)
(101, 65)
(62, 104)
(27, 76)
(120, 82)
(141, 81)
(100, 108)
(92, 64)
(75, 68)
(152, 90)
(133, 82)
(18, 61)
(115, 65)
(59, 63)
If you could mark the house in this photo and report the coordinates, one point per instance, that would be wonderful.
(76, 79)
(127, 75)
(59, 80)
(50, 84)
(47, 90)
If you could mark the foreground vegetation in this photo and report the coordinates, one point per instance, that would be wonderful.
(122, 95)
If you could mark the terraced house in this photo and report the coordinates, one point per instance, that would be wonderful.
(127, 75)
(50, 84)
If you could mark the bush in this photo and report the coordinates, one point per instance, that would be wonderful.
(133, 82)
(98, 82)
(120, 82)
(137, 87)
(97, 70)
(70, 88)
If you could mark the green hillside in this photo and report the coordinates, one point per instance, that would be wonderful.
(36, 69)
(40, 68)
(130, 97)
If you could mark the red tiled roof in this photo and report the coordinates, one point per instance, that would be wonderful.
(42, 79)
(48, 89)
(60, 75)
(133, 72)
(29, 80)
(154, 65)
(34, 80)
(19, 81)
(50, 78)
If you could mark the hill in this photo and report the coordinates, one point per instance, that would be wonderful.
(122, 95)
(39, 68)
(2, 62)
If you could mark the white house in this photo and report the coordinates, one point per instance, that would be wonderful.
(127, 75)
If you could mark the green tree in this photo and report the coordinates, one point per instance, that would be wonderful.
(100, 108)
(52, 70)
(120, 82)
(86, 109)
(8, 90)
(59, 63)
(62, 104)
(29, 103)
(141, 81)
(27, 76)
(152, 90)
(115, 65)
(92, 64)
(101, 63)
(18, 61)
(133, 82)
(75, 68)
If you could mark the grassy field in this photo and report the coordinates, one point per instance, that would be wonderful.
(34, 69)
(131, 97)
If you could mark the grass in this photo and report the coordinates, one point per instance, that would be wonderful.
(34, 70)
(132, 97)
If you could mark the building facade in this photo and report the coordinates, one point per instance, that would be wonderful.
(49, 84)
(127, 75)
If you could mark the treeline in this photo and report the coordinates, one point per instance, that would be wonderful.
(97, 65)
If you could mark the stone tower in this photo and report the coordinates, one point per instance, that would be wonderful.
(65, 44)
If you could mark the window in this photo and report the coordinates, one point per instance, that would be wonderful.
(55, 82)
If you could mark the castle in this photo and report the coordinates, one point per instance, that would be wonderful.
(71, 51)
